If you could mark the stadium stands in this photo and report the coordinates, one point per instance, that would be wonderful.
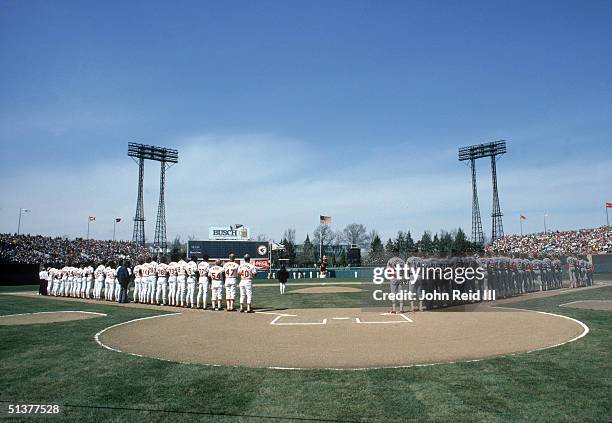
(31, 249)
(557, 243)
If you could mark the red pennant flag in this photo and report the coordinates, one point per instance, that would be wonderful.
(609, 205)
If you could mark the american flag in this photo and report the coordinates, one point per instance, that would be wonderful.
(609, 205)
(523, 217)
(117, 219)
(325, 220)
(92, 218)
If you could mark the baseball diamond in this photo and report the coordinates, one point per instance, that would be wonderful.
(350, 338)
(306, 211)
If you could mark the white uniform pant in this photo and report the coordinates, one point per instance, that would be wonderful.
(230, 291)
(152, 288)
(202, 292)
(88, 286)
(109, 288)
(217, 289)
(180, 291)
(161, 296)
(142, 291)
(136, 289)
(246, 291)
(98, 286)
(117, 290)
(191, 291)
(172, 290)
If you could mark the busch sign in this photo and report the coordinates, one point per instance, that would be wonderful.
(228, 233)
(261, 264)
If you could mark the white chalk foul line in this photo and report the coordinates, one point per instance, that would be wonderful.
(276, 314)
(585, 328)
(97, 336)
(54, 312)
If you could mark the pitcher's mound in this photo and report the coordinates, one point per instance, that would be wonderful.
(46, 317)
(338, 338)
(590, 305)
(324, 290)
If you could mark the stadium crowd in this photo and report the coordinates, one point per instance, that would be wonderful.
(557, 243)
(29, 249)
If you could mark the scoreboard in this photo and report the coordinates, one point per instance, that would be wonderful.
(222, 249)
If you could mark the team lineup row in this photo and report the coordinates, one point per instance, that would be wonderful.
(161, 283)
(507, 277)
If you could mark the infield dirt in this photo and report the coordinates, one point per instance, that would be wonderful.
(338, 338)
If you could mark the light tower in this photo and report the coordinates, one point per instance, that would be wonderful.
(167, 158)
(471, 153)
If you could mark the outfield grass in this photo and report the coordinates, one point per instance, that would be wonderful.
(61, 363)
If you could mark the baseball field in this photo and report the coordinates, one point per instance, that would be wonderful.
(310, 355)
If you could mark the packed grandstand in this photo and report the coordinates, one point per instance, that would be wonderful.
(556, 243)
(30, 249)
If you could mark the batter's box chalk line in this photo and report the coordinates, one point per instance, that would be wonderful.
(279, 316)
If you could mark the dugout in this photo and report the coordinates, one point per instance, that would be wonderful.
(19, 274)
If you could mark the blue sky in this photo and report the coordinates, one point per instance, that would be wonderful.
(283, 110)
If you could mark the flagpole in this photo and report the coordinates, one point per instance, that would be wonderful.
(544, 223)
(607, 217)
(114, 226)
(88, 221)
(521, 222)
(19, 223)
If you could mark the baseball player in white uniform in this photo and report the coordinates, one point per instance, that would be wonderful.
(215, 273)
(192, 269)
(109, 281)
(181, 280)
(247, 272)
(64, 285)
(69, 282)
(99, 281)
(50, 279)
(161, 295)
(203, 283)
(144, 281)
(137, 280)
(172, 272)
(152, 288)
(230, 269)
(89, 275)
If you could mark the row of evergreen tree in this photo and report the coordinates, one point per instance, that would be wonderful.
(374, 252)
(443, 244)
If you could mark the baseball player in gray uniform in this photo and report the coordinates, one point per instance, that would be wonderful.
(396, 284)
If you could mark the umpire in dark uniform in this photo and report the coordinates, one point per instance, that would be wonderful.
(123, 277)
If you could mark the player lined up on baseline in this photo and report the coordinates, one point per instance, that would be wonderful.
(187, 283)
(162, 283)
(506, 276)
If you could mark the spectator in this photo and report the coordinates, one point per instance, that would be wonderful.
(60, 252)
(556, 243)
